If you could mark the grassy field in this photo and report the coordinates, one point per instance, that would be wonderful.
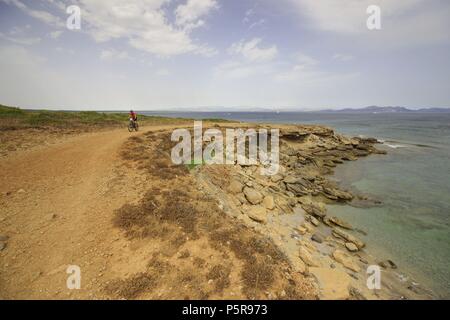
(12, 118)
(21, 128)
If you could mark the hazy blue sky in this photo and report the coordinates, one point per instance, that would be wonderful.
(161, 54)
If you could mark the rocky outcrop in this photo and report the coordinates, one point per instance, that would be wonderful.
(335, 194)
(307, 155)
(348, 237)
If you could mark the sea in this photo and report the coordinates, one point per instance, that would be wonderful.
(412, 225)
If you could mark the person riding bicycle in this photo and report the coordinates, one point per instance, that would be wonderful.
(133, 115)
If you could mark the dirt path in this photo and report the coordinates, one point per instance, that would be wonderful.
(56, 205)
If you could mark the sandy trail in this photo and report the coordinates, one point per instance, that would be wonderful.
(56, 207)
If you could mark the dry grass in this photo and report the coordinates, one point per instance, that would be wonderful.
(132, 287)
(175, 214)
(220, 275)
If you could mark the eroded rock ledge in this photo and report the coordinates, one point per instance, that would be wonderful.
(290, 208)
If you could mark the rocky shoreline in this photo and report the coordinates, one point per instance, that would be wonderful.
(290, 209)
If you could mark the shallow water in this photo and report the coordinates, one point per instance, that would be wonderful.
(412, 227)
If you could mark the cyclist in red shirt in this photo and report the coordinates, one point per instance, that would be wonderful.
(133, 115)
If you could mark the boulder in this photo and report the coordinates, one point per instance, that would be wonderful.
(346, 260)
(340, 223)
(257, 213)
(292, 202)
(241, 198)
(235, 187)
(335, 194)
(301, 230)
(360, 153)
(306, 257)
(338, 233)
(378, 151)
(309, 228)
(253, 196)
(269, 203)
(307, 244)
(298, 265)
(297, 189)
(351, 247)
(387, 264)
(328, 222)
(317, 237)
(314, 210)
(314, 221)
(236, 201)
(363, 146)
(291, 180)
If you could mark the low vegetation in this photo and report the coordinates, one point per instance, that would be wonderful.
(198, 252)
(12, 118)
(22, 128)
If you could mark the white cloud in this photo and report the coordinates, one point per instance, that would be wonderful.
(404, 22)
(144, 24)
(189, 14)
(251, 51)
(349, 16)
(44, 16)
(249, 59)
(111, 54)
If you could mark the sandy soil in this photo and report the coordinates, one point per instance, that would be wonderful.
(56, 206)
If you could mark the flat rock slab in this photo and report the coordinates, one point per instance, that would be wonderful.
(253, 196)
(256, 213)
(333, 284)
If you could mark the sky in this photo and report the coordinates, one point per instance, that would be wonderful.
(224, 54)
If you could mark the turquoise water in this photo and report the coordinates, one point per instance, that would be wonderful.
(412, 227)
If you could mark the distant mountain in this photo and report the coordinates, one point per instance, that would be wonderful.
(370, 109)
(376, 109)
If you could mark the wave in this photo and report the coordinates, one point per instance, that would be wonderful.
(395, 146)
